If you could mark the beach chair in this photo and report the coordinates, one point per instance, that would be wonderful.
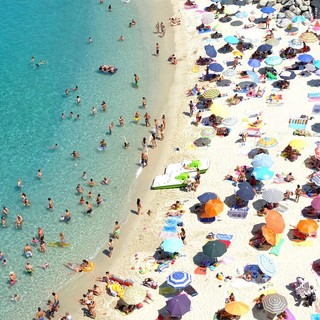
(238, 213)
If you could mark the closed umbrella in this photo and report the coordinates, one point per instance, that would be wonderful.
(205, 197)
(305, 57)
(307, 226)
(262, 160)
(264, 47)
(267, 10)
(134, 295)
(263, 173)
(267, 142)
(296, 44)
(273, 60)
(266, 265)
(315, 203)
(269, 235)
(297, 144)
(274, 303)
(211, 94)
(236, 308)
(308, 37)
(179, 280)
(178, 305)
(254, 63)
(212, 208)
(275, 221)
(216, 67)
(214, 249)
(245, 191)
(272, 195)
(210, 51)
(208, 132)
(231, 39)
(172, 245)
(207, 18)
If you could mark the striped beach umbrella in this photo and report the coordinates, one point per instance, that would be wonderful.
(309, 37)
(208, 132)
(267, 142)
(266, 265)
(272, 195)
(296, 44)
(179, 280)
(211, 94)
(274, 303)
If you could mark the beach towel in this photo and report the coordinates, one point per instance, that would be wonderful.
(224, 236)
(240, 283)
(305, 243)
(169, 229)
(226, 242)
(253, 132)
(201, 271)
(279, 179)
(173, 221)
(282, 208)
(276, 249)
(314, 96)
(238, 213)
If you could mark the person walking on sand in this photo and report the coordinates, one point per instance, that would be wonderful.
(139, 206)
(297, 193)
(182, 236)
(110, 246)
(147, 117)
(157, 49)
(116, 230)
(136, 80)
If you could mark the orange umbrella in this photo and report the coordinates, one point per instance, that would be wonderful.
(274, 221)
(269, 235)
(212, 208)
(307, 226)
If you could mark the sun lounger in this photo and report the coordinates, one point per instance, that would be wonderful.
(238, 213)
(276, 249)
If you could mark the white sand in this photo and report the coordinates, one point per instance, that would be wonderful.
(225, 155)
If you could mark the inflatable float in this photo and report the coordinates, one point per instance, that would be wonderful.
(116, 290)
(108, 69)
(89, 268)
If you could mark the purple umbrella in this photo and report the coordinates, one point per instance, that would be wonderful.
(216, 67)
(254, 63)
(178, 305)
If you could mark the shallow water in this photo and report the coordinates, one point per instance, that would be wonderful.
(31, 102)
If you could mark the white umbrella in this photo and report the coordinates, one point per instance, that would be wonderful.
(231, 9)
(207, 18)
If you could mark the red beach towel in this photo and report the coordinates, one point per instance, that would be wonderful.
(201, 271)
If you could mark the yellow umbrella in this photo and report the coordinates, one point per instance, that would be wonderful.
(220, 110)
(237, 53)
(237, 308)
(134, 295)
(298, 144)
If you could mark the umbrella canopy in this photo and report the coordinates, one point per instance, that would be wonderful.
(207, 18)
(287, 75)
(263, 173)
(172, 245)
(316, 179)
(262, 160)
(254, 63)
(205, 197)
(220, 110)
(179, 280)
(214, 249)
(298, 19)
(307, 226)
(245, 191)
(316, 26)
(316, 266)
(310, 67)
(272, 195)
(267, 10)
(316, 203)
(273, 42)
(253, 76)
(267, 142)
(275, 221)
(296, 44)
(241, 14)
(305, 57)
(210, 51)
(229, 73)
(216, 67)
(308, 37)
(269, 235)
(231, 39)
(274, 303)
(202, 142)
(266, 265)
(317, 64)
(211, 94)
(237, 53)
(134, 295)
(212, 208)
(229, 121)
(297, 144)
(273, 60)
(208, 132)
(264, 47)
(231, 9)
(178, 305)
(236, 308)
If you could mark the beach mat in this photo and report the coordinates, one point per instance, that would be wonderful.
(201, 271)
(306, 243)
(276, 249)
(224, 236)
(226, 242)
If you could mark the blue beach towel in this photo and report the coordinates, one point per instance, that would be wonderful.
(169, 229)
(173, 221)
(224, 236)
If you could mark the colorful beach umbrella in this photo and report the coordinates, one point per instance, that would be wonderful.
(254, 63)
(308, 37)
(266, 265)
(274, 303)
(297, 144)
(262, 160)
(207, 196)
(241, 15)
(263, 173)
(208, 132)
(207, 18)
(267, 10)
(305, 57)
(179, 280)
(272, 195)
(178, 305)
(316, 180)
(307, 226)
(267, 142)
(216, 67)
(231, 39)
(296, 44)
(212, 208)
(298, 19)
(172, 245)
(245, 191)
(315, 203)
(214, 249)
(236, 308)
(273, 60)
(275, 221)
(316, 26)
(269, 235)
(211, 94)
(317, 64)
(134, 294)
(210, 51)
(237, 53)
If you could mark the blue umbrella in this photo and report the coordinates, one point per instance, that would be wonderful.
(263, 173)
(178, 305)
(172, 245)
(266, 265)
(245, 191)
(241, 15)
(216, 67)
(298, 19)
(262, 160)
(253, 76)
(287, 75)
(305, 57)
(204, 198)
(210, 51)
(231, 39)
(264, 47)
(179, 280)
(317, 64)
(267, 10)
(273, 60)
(254, 63)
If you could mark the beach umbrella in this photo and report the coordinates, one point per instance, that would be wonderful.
(267, 142)
(207, 18)
(172, 245)
(275, 221)
(211, 94)
(241, 14)
(202, 142)
(310, 67)
(262, 160)
(251, 35)
(273, 42)
(220, 110)
(254, 63)
(305, 57)
(214, 249)
(263, 173)
(229, 121)
(283, 22)
(317, 64)
(269, 235)
(205, 197)
(316, 26)
(253, 76)
(266, 265)
(264, 47)
(223, 83)
(231, 9)
(210, 51)
(178, 305)
(296, 44)
(236, 308)
(267, 10)
(308, 37)
(229, 73)
(237, 53)
(179, 280)
(273, 60)
(316, 266)
(216, 67)
(317, 72)
(134, 294)
(315, 203)
(307, 226)
(297, 144)
(231, 39)
(212, 208)
(291, 29)
(255, 151)
(316, 180)
(274, 303)
(245, 191)
(227, 2)
(287, 75)
(298, 19)
(208, 132)
(272, 195)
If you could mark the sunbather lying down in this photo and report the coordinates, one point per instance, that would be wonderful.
(175, 213)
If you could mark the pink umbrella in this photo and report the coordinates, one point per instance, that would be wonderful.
(315, 203)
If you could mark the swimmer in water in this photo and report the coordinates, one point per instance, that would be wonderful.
(62, 239)
(90, 40)
(39, 174)
(91, 183)
(32, 59)
(5, 211)
(79, 189)
(84, 175)
(19, 183)
(75, 155)
(50, 204)
(34, 241)
(103, 144)
(121, 38)
(29, 267)
(126, 144)
(3, 222)
(75, 88)
(54, 147)
(105, 181)
(104, 106)
(94, 111)
(45, 266)
(15, 298)
(78, 100)
(66, 92)
(137, 117)
(63, 115)
(70, 114)
(81, 201)
(121, 121)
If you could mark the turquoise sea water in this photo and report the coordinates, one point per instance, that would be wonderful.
(31, 102)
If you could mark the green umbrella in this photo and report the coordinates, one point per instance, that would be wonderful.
(211, 94)
(214, 249)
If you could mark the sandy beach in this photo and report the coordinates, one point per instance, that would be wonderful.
(139, 237)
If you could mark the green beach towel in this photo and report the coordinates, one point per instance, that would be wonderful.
(276, 249)
(182, 176)
(195, 164)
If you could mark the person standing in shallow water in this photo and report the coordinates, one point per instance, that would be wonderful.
(136, 80)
